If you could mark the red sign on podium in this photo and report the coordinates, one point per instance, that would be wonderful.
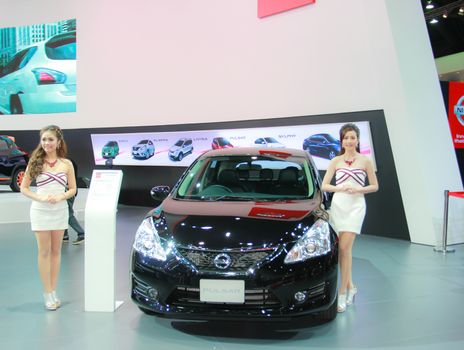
(456, 113)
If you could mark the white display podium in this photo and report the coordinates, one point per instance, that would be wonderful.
(100, 240)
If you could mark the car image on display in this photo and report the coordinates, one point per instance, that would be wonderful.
(268, 142)
(242, 235)
(322, 145)
(41, 78)
(144, 149)
(110, 150)
(180, 149)
(13, 162)
(220, 142)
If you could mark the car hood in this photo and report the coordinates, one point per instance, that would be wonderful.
(235, 225)
(174, 148)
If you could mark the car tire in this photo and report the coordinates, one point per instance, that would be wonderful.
(329, 314)
(332, 154)
(16, 179)
(15, 105)
(180, 156)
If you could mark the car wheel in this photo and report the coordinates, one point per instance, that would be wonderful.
(15, 105)
(330, 313)
(16, 180)
(332, 154)
(180, 157)
(147, 311)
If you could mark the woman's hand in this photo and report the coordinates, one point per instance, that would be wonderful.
(348, 189)
(54, 198)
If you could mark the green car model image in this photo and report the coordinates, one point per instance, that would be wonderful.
(110, 150)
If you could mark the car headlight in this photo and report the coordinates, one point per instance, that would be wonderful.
(147, 241)
(315, 242)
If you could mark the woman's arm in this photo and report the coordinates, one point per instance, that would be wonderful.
(326, 186)
(25, 188)
(372, 177)
(71, 191)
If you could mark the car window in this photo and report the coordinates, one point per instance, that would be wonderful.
(189, 142)
(240, 176)
(179, 143)
(15, 63)
(270, 140)
(61, 47)
(28, 55)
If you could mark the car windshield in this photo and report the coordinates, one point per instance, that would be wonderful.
(223, 141)
(330, 138)
(179, 143)
(270, 140)
(247, 178)
(143, 142)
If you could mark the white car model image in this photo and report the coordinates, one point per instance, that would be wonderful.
(269, 142)
(41, 78)
(180, 149)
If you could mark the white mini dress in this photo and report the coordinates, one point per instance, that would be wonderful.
(46, 216)
(347, 210)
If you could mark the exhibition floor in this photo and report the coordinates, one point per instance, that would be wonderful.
(409, 298)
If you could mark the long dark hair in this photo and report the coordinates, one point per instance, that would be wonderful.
(343, 130)
(36, 161)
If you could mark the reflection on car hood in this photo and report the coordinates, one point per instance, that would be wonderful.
(213, 225)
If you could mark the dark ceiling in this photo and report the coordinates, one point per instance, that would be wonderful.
(447, 35)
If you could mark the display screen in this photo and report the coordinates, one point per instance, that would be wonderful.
(38, 68)
(181, 148)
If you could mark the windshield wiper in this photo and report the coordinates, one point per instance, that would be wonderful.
(231, 198)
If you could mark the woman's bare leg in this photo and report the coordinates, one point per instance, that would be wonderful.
(55, 257)
(44, 258)
(346, 240)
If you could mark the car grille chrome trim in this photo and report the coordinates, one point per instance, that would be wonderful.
(241, 260)
(253, 297)
(140, 287)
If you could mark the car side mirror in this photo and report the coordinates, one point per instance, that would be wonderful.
(159, 193)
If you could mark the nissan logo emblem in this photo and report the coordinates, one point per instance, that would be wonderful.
(222, 261)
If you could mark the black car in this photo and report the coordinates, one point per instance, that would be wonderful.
(322, 145)
(13, 162)
(242, 235)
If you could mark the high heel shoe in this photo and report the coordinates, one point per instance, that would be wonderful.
(351, 294)
(341, 307)
(56, 299)
(49, 302)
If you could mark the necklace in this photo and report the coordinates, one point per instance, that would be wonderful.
(51, 164)
(349, 162)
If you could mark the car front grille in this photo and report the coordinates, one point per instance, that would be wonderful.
(253, 298)
(240, 260)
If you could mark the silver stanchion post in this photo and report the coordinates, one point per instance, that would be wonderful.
(443, 249)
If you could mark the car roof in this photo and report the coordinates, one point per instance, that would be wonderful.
(254, 151)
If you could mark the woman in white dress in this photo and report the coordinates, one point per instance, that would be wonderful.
(55, 180)
(348, 207)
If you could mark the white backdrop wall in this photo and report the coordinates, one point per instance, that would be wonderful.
(156, 62)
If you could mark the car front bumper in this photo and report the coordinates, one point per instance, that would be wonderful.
(172, 289)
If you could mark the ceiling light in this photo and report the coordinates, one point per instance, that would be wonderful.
(445, 15)
(433, 21)
(429, 5)
(461, 11)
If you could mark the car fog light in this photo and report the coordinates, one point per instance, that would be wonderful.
(300, 297)
(153, 293)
